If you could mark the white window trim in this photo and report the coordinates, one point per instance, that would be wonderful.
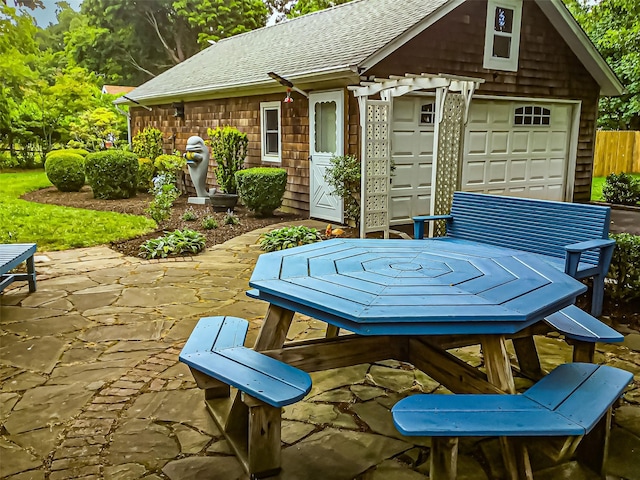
(494, 63)
(263, 130)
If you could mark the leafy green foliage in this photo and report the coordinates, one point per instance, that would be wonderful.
(625, 268)
(66, 171)
(147, 143)
(261, 189)
(302, 7)
(112, 174)
(622, 189)
(93, 128)
(229, 149)
(170, 164)
(146, 170)
(178, 242)
(288, 237)
(218, 19)
(58, 228)
(189, 215)
(343, 176)
(209, 223)
(165, 194)
(614, 28)
(230, 218)
(76, 151)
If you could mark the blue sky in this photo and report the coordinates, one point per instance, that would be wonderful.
(48, 15)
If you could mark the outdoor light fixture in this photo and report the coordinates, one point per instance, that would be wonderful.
(179, 110)
(290, 86)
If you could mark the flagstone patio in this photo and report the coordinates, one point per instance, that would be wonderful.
(92, 387)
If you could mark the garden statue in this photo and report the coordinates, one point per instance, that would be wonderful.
(197, 156)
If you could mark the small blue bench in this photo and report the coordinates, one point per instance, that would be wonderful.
(571, 401)
(11, 256)
(572, 237)
(216, 355)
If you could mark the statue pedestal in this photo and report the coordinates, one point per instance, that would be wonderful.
(199, 200)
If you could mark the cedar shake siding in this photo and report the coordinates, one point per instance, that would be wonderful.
(547, 69)
(244, 114)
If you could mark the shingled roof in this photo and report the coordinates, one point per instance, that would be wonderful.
(336, 39)
(342, 39)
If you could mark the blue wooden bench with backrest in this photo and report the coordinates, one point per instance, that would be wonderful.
(217, 357)
(572, 237)
(11, 256)
(573, 400)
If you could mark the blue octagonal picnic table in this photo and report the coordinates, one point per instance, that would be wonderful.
(408, 299)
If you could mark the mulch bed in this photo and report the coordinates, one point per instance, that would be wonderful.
(138, 204)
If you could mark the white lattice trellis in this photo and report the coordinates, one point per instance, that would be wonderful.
(375, 121)
(446, 171)
(375, 168)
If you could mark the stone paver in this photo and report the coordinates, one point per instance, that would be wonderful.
(91, 386)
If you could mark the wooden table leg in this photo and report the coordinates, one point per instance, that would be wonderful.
(528, 359)
(444, 458)
(498, 365)
(274, 328)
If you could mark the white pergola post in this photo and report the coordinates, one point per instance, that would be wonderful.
(453, 99)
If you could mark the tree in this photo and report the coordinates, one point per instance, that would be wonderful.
(302, 7)
(614, 28)
(218, 19)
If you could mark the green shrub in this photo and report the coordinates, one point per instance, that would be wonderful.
(172, 164)
(261, 189)
(625, 268)
(112, 174)
(288, 237)
(230, 218)
(66, 171)
(178, 242)
(229, 149)
(147, 143)
(209, 223)
(343, 175)
(189, 215)
(146, 171)
(77, 151)
(165, 193)
(622, 189)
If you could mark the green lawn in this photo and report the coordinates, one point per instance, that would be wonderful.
(597, 184)
(58, 228)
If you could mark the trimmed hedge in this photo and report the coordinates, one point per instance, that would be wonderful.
(112, 174)
(261, 188)
(66, 171)
(625, 268)
(77, 151)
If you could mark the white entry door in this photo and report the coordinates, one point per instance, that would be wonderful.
(326, 138)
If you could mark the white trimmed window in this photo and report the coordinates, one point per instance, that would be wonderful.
(270, 131)
(502, 35)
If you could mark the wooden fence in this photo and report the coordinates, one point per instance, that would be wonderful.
(616, 152)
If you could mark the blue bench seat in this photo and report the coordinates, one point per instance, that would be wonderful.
(217, 357)
(570, 401)
(11, 256)
(571, 237)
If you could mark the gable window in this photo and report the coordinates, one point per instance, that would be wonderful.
(427, 113)
(270, 131)
(502, 35)
(532, 115)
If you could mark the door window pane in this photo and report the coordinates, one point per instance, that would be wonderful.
(325, 127)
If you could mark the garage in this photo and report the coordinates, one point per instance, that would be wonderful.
(516, 148)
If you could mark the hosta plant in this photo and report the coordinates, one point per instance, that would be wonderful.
(288, 237)
(178, 242)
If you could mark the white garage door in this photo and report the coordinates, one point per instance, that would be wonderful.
(517, 148)
(412, 155)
